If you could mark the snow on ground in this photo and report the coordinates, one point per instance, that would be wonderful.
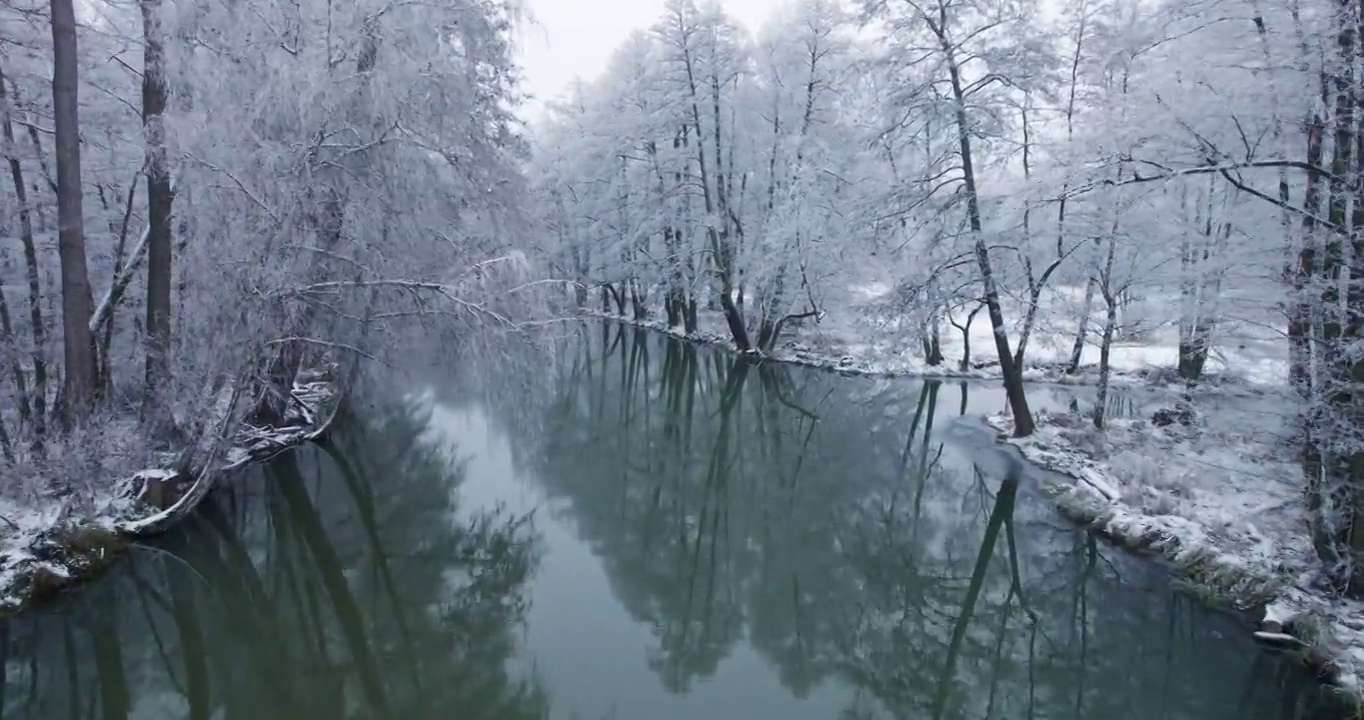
(869, 336)
(865, 336)
(61, 515)
(1221, 499)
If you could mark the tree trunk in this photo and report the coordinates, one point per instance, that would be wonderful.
(16, 368)
(35, 308)
(159, 204)
(716, 205)
(1034, 287)
(672, 299)
(932, 349)
(77, 305)
(1106, 345)
(673, 307)
(1332, 459)
(1105, 349)
(1029, 319)
(638, 304)
(966, 337)
(1193, 355)
(1330, 488)
(1300, 319)
(1077, 350)
(104, 311)
(735, 321)
(932, 341)
(1304, 267)
(1013, 376)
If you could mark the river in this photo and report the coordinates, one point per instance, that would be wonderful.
(655, 532)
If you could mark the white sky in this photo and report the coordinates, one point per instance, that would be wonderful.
(575, 38)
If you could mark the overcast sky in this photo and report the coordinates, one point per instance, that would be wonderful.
(575, 38)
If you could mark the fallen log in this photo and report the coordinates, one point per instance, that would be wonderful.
(175, 492)
(66, 554)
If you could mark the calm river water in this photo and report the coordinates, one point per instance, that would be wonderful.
(655, 532)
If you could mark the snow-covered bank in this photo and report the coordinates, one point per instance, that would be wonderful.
(847, 348)
(1221, 501)
(53, 543)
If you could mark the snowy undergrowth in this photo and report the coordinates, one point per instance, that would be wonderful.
(1221, 500)
(63, 495)
(68, 511)
(874, 335)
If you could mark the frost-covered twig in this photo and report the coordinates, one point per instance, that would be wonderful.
(252, 196)
(105, 309)
(321, 343)
(440, 289)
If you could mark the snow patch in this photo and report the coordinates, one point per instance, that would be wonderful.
(1219, 499)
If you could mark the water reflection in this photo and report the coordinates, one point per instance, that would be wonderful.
(827, 524)
(714, 540)
(339, 582)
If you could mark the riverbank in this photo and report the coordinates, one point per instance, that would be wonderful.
(59, 542)
(854, 351)
(1220, 499)
(1222, 504)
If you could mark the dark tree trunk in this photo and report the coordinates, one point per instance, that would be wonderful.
(638, 305)
(77, 304)
(1193, 355)
(931, 342)
(673, 307)
(1304, 269)
(159, 205)
(1077, 350)
(1105, 350)
(933, 349)
(966, 337)
(735, 321)
(1332, 462)
(1303, 275)
(767, 336)
(1013, 375)
(35, 308)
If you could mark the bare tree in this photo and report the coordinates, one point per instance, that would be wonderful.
(938, 23)
(35, 308)
(78, 389)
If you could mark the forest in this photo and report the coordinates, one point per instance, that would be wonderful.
(208, 203)
(1098, 177)
(205, 203)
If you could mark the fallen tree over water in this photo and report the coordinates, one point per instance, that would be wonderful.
(57, 551)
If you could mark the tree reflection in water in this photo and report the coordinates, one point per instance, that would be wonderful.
(826, 522)
(825, 525)
(339, 581)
